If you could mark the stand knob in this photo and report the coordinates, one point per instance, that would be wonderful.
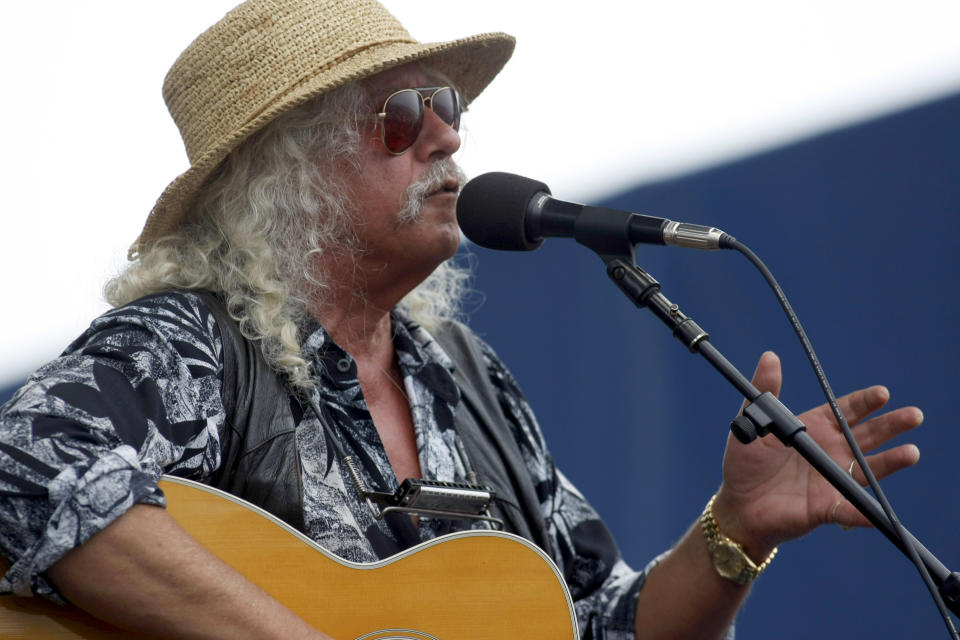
(744, 429)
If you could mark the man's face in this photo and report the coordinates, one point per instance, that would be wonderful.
(393, 241)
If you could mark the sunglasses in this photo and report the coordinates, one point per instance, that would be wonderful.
(403, 112)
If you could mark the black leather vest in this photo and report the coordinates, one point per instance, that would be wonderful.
(260, 462)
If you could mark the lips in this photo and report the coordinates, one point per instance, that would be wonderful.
(450, 185)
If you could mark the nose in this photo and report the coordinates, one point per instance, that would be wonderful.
(436, 137)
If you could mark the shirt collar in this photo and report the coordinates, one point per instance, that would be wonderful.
(414, 345)
(411, 331)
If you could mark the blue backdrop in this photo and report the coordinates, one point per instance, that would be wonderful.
(858, 226)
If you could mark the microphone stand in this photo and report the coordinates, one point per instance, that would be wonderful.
(607, 233)
(766, 414)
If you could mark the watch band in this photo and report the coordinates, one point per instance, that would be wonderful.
(729, 558)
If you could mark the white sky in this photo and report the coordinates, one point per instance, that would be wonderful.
(599, 95)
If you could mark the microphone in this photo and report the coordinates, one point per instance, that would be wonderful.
(508, 212)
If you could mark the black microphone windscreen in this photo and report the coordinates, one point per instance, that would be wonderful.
(491, 210)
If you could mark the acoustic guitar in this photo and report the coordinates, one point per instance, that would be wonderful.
(474, 585)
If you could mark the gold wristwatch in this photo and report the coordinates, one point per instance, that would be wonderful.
(729, 558)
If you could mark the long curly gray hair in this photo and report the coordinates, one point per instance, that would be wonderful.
(254, 232)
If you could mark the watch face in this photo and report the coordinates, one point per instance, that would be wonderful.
(728, 560)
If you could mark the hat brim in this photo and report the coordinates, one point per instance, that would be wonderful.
(470, 63)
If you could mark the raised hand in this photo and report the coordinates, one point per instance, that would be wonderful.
(771, 494)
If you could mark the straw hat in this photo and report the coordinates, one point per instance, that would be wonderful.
(267, 56)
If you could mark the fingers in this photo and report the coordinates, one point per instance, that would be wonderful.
(858, 405)
(878, 431)
(883, 464)
(888, 462)
(846, 515)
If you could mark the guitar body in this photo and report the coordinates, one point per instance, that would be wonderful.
(476, 585)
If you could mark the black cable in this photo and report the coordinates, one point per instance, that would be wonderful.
(729, 242)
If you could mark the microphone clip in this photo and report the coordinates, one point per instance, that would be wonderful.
(644, 291)
(606, 232)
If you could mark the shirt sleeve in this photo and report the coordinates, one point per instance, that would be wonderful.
(603, 587)
(137, 395)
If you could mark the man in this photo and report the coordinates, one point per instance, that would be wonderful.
(288, 307)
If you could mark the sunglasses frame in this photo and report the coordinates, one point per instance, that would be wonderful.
(426, 95)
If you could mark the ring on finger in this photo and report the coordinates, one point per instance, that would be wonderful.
(833, 512)
(850, 472)
(835, 520)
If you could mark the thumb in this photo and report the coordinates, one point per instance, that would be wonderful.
(768, 376)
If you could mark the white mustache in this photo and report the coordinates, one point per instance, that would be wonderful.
(442, 174)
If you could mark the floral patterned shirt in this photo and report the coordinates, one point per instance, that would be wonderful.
(138, 395)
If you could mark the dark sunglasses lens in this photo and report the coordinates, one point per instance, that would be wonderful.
(403, 121)
(446, 104)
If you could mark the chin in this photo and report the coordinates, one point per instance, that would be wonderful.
(441, 228)
(445, 247)
(434, 236)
